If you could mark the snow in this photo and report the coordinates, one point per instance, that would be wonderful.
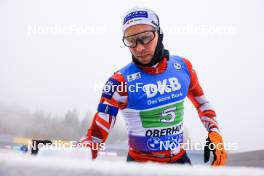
(12, 164)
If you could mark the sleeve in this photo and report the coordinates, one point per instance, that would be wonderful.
(113, 98)
(205, 111)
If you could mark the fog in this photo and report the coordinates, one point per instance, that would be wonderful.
(19, 121)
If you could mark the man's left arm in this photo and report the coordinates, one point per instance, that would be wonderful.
(207, 115)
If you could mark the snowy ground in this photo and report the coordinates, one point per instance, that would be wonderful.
(14, 163)
(113, 162)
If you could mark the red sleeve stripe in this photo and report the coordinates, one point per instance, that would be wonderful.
(208, 113)
(103, 122)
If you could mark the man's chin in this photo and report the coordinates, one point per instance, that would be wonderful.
(144, 60)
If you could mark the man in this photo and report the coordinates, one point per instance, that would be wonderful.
(153, 110)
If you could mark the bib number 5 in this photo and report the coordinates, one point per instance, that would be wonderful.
(168, 112)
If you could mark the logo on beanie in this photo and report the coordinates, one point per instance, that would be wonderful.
(136, 14)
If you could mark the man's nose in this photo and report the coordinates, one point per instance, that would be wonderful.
(139, 47)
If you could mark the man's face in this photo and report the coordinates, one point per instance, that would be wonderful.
(142, 52)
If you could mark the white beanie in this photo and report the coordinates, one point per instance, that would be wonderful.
(138, 15)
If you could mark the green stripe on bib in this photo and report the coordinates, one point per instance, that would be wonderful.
(163, 117)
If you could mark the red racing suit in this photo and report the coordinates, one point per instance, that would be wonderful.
(103, 121)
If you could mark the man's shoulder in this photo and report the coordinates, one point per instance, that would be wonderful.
(181, 63)
(119, 75)
(179, 59)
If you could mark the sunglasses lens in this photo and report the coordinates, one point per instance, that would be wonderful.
(143, 38)
(130, 42)
(147, 37)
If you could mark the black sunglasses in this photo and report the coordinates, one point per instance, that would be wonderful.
(143, 38)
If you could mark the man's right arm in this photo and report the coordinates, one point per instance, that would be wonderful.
(114, 97)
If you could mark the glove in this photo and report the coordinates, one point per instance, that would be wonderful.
(214, 144)
(86, 143)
